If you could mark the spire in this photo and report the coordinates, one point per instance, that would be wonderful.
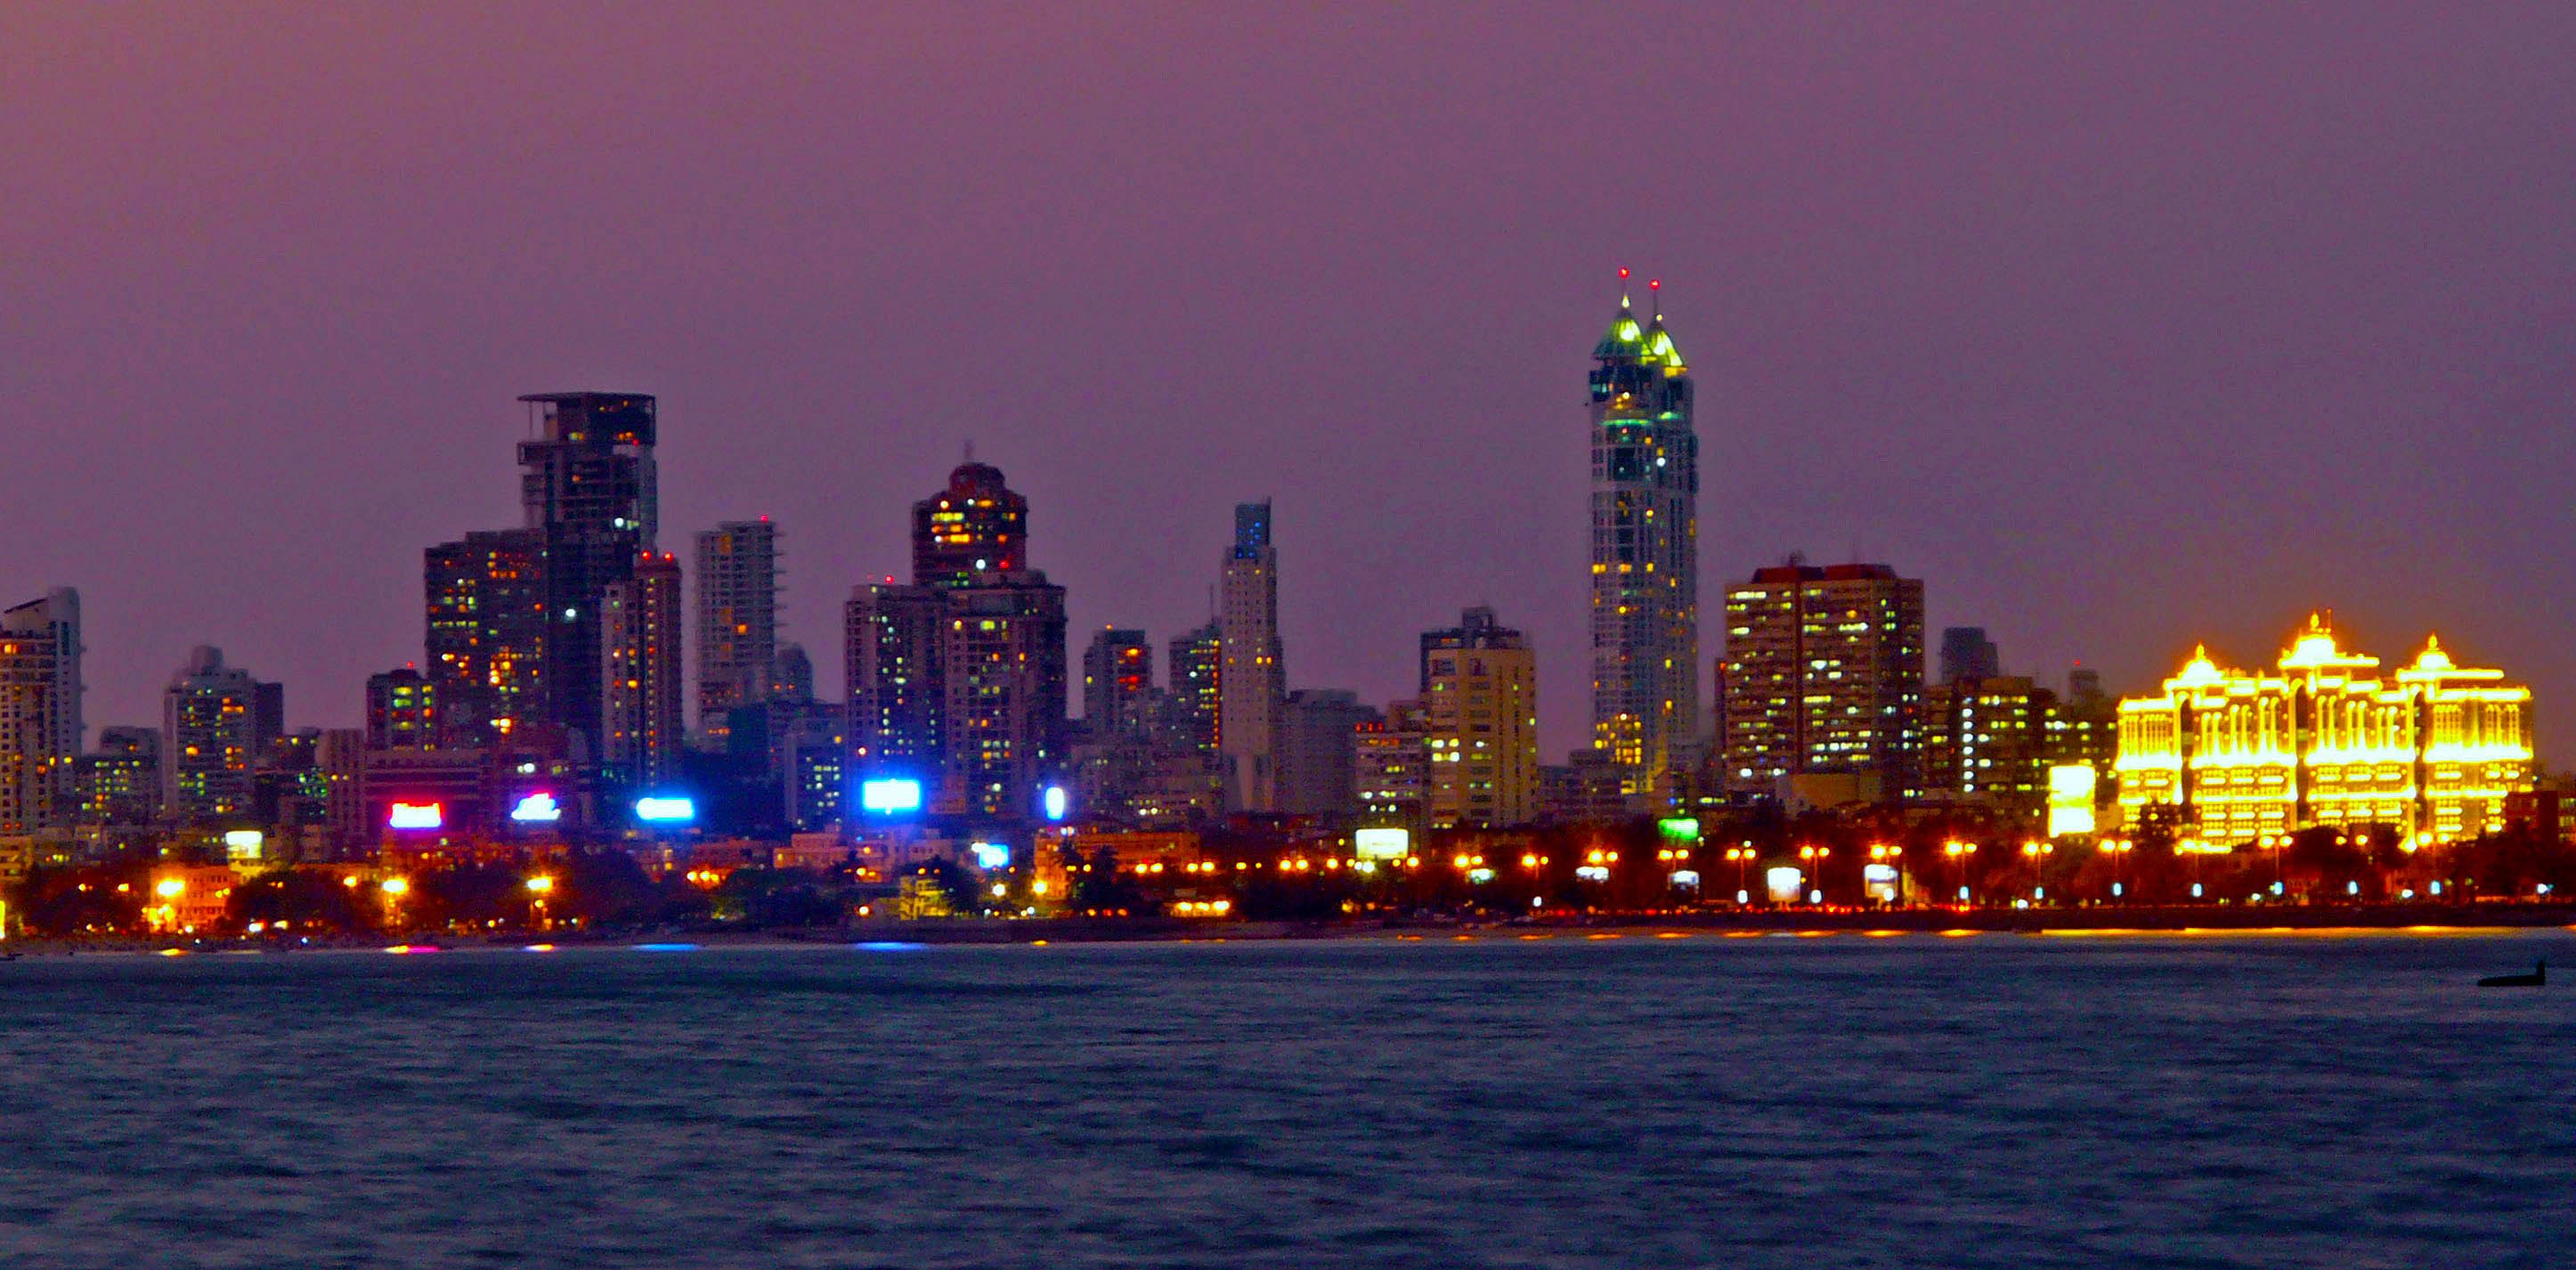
(1625, 339)
(1658, 341)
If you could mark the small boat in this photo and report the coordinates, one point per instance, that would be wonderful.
(2539, 975)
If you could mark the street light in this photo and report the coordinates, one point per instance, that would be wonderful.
(1956, 849)
(2034, 851)
(1814, 856)
(539, 887)
(1741, 858)
(394, 889)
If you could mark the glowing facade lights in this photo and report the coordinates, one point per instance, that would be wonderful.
(2432, 749)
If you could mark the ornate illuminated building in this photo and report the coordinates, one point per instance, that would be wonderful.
(1645, 550)
(2432, 749)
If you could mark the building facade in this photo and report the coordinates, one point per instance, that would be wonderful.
(1824, 677)
(40, 712)
(402, 710)
(486, 635)
(1479, 685)
(1989, 740)
(2432, 750)
(210, 741)
(737, 618)
(1319, 754)
(1966, 653)
(1118, 683)
(589, 487)
(1252, 678)
(1190, 722)
(119, 783)
(1003, 678)
(1645, 551)
(640, 675)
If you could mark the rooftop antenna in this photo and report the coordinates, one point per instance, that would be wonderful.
(970, 449)
(1655, 297)
(1623, 286)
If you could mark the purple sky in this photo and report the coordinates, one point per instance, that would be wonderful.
(2122, 327)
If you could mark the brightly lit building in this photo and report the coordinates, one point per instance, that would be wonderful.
(1190, 708)
(1645, 550)
(1986, 741)
(402, 710)
(485, 635)
(975, 526)
(1480, 703)
(1824, 677)
(2432, 749)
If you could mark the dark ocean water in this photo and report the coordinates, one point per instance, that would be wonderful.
(1917, 1101)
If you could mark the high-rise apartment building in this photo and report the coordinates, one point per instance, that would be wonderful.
(119, 783)
(402, 710)
(1118, 683)
(210, 740)
(1319, 752)
(40, 711)
(975, 526)
(2432, 750)
(589, 486)
(893, 635)
(486, 636)
(1391, 766)
(1251, 674)
(640, 678)
(1197, 659)
(1480, 705)
(1824, 677)
(1645, 551)
(1988, 740)
(1003, 674)
(1966, 653)
(737, 619)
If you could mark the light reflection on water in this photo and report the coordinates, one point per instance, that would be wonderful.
(2215, 1100)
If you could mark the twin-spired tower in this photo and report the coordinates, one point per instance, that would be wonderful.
(1645, 549)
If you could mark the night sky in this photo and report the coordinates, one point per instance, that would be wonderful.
(2122, 326)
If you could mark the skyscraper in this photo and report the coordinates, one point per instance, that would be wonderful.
(1824, 676)
(209, 738)
(40, 711)
(1645, 550)
(1003, 677)
(1251, 678)
(977, 525)
(1987, 740)
(640, 679)
(1480, 707)
(1196, 657)
(1118, 683)
(737, 618)
(892, 639)
(1966, 653)
(589, 487)
(486, 635)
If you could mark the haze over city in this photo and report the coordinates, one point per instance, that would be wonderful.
(2122, 329)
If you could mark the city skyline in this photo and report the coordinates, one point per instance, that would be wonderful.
(2072, 429)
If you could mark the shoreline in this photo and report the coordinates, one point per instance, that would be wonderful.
(2356, 919)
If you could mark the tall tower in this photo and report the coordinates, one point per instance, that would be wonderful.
(1480, 708)
(209, 738)
(1118, 683)
(486, 626)
(640, 673)
(590, 488)
(737, 619)
(1645, 551)
(40, 710)
(1250, 681)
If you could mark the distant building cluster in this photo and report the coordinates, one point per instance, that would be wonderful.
(578, 684)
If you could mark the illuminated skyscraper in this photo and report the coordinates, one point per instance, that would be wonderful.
(1118, 683)
(1988, 739)
(977, 525)
(1645, 551)
(1196, 657)
(210, 739)
(2432, 750)
(640, 683)
(590, 487)
(737, 618)
(1824, 677)
(120, 782)
(486, 638)
(892, 636)
(1480, 706)
(1251, 678)
(40, 711)
(1003, 676)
